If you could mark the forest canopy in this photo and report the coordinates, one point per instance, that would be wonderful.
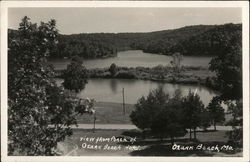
(197, 40)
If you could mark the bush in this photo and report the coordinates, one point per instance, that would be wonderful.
(113, 69)
(125, 75)
(105, 75)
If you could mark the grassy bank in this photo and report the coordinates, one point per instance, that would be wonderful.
(108, 113)
(187, 74)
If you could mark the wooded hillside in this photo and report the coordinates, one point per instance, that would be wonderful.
(199, 40)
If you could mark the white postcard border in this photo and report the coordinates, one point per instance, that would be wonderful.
(4, 18)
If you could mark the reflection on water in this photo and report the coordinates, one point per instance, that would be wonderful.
(113, 85)
(110, 90)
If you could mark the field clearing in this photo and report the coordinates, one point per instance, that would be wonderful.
(108, 113)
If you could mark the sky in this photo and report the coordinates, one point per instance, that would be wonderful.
(117, 20)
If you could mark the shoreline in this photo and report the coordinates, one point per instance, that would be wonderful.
(187, 75)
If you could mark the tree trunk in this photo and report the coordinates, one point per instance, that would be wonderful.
(214, 125)
(190, 132)
(161, 137)
(143, 134)
(194, 133)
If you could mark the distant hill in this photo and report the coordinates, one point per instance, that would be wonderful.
(199, 40)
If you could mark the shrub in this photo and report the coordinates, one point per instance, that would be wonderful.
(125, 75)
(113, 69)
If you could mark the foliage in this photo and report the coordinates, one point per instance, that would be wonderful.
(205, 119)
(159, 70)
(235, 108)
(160, 114)
(209, 42)
(166, 116)
(39, 112)
(125, 75)
(168, 121)
(191, 40)
(236, 135)
(83, 45)
(228, 67)
(199, 40)
(187, 75)
(147, 108)
(113, 69)
(216, 111)
(75, 76)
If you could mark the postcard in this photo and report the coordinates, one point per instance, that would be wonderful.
(124, 81)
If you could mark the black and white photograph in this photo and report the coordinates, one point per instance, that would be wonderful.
(116, 80)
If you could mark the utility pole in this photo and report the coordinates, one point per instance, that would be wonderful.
(94, 123)
(92, 111)
(123, 104)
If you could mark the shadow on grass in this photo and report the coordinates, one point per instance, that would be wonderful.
(166, 150)
(152, 146)
(133, 133)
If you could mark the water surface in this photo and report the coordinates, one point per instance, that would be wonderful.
(134, 58)
(110, 90)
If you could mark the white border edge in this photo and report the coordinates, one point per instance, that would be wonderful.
(4, 11)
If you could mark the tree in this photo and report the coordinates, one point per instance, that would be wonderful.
(147, 108)
(160, 114)
(236, 135)
(176, 62)
(216, 111)
(39, 113)
(228, 68)
(193, 107)
(113, 69)
(75, 76)
(168, 121)
(205, 119)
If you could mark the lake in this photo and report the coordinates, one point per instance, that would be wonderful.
(110, 90)
(134, 58)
